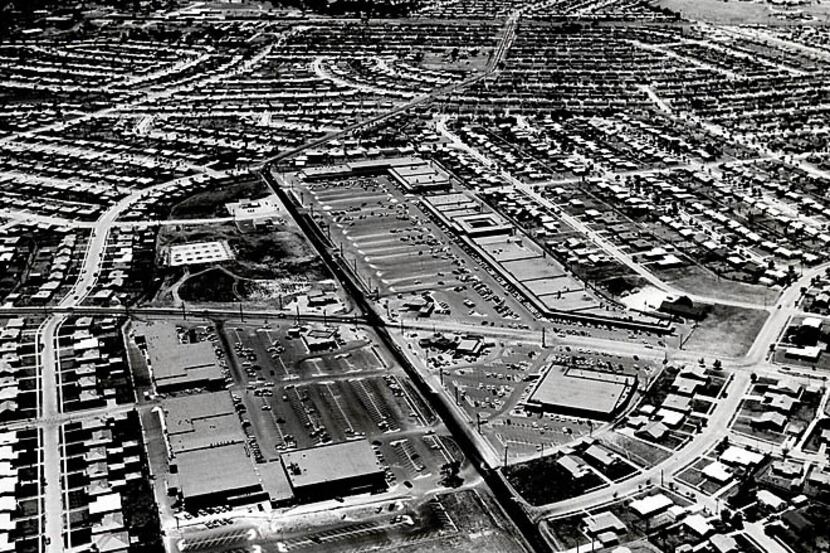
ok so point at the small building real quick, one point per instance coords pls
(320, 339)
(738, 456)
(684, 307)
(575, 466)
(698, 525)
(779, 402)
(717, 472)
(770, 421)
(654, 431)
(604, 522)
(721, 543)
(651, 505)
(770, 501)
(602, 457)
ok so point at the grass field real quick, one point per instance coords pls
(212, 203)
(695, 280)
(727, 331)
(542, 481)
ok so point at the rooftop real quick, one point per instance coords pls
(583, 390)
(226, 469)
(330, 463)
(176, 364)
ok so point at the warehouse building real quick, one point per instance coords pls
(209, 462)
(175, 365)
(336, 470)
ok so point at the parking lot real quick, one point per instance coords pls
(399, 253)
(291, 398)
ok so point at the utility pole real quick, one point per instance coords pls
(241, 312)
(543, 338)
(505, 454)
(184, 312)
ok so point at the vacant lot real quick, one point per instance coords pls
(274, 252)
(212, 203)
(727, 331)
(735, 12)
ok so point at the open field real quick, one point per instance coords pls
(727, 331)
(732, 12)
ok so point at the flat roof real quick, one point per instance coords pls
(275, 482)
(319, 465)
(200, 252)
(651, 504)
(225, 470)
(200, 421)
(583, 390)
(177, 364)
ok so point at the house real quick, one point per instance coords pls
(722, 543)
(679, 403)
(771, 421)
(601, 456)
(770, 501)
(787, 469)
(717, 472)
(654, 431)
(698, 525)
(685, 386)
(695, 372)
(738, 456)
(575, 466)
(781, 403)
(604, 522)
(785, 387)
(651, 505)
